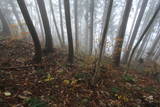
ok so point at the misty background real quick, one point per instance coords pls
(149, 47)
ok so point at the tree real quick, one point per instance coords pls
(143, 46)
(102, 45)
(87, 25)
(155, 43)
(55, 23)
(40, 21)
(49, 41)
(143, 34)
(121, 33)
(61, 21)
(103, 21)
(157, 53)
(69, 31)
(16, 15)
(76, 23)
(37, 46)
(91, 26)
(132, 28)
(105, 30)
(6, 29)
(135, 31)
(104, 13)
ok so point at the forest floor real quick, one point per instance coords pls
(53, 84)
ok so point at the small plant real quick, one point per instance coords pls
(122, 97)
(129, 78)
(82, 76)
(49, 78)
(35, 102)
(85, 101)
(115, 90)
(149, 89)
(1, 71)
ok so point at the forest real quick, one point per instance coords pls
(79, 53)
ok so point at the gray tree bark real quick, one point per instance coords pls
(155, 43)
(61, 21)
(143, 34)
(48, 35)
(16, 15)
(87, 26)
(142, 47)
(69, 31)
(91, 26)
(37, 46)
(55, 23)
(40, 21)
(121, 33)
(134, 21)
(105, 30)
(6, 29)
(135, 31)
(76, 24)
(157, 53)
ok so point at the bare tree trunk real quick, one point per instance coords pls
(91, 26)
(103, 21)
(38, 54)
(155, 43)
(143, 34)
(135, 31)
(86, 27)
(6, 29)
(76, 24)
(142, 47)
(157, 53)
(69, 31)
(121, 33)
(49, 40)
(61, 21)
(55, 23)
(40, 21)
(105, 30)
(16, 15)
(132, 28)
(104, 14)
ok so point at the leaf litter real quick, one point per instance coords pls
(53, 84)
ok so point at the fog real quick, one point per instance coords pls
(79, 53)
(12, 13)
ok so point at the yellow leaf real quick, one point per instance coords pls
(49, 78)
(66, 82)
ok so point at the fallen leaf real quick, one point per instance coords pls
(27, 92)
(49, 78)
(7, 93)
(74, 82)
(23, 97)
(66, 82)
